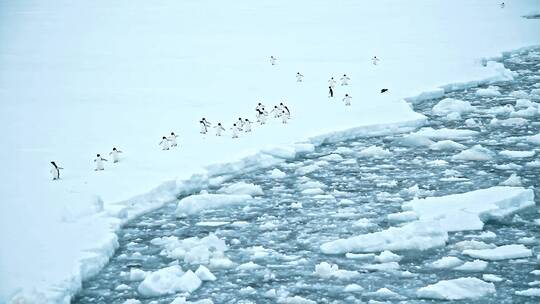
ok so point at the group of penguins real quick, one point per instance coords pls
(280, 111)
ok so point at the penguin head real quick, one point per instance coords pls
(259, 103)
(98, 155)
(114, 149)
(172, 133)
(164, 137)
(234, 125)
(344, 75)
(247, 119)
(53, 163)
(346, 95)
(219, 124)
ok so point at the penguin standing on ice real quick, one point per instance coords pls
(332, 83)
(261, 116)
(55, 171)
(299, 77)
(99, 163)
(276, 111)
(247, 125)
(284, 117)
(115, 155)
(204, 125)
(164, 143)
(330, 92)
(347, 99)
(219, 128)
(375, 60)
(502, 4)
(235, 131)
(286, 109)
(345, 80)
(172, 139)
(240, 123)
(273, 60)
(384, 90)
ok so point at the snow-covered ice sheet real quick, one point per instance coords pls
(126, 73)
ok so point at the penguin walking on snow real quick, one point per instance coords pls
(284, 117)
(240, 123)
(273, 60)
(204, 125)
(247, 125)
(375, 60)
(345, 80)
(261, 117)
(384, 90)
(235, 131)
(164, 143)
(286, 109)
(502, 4)
(299, 77)
(347, 99)
(219, 128)
(332, 83)
(115, 155)
(330, 92)
(55, 171)
(276, 111)
(172, 139)
(99, 163)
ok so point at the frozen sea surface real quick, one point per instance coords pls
(341, 190)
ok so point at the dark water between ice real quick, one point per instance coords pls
(291, 236)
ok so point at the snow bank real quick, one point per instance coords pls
(457, 289)
(500, 253)
(419, 235)
(467, 211)
(199, 202)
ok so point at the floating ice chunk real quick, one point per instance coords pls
(131, 301)
(476, 153)
(533, 164)
(509, 166)
(221, 262)
(192, 250)
(344, 150)
(527, 240)
(466, 211)
(136, 274)
(437, 163)
(523, 103)
(531, 292)
(457, 289)
(407, 216)
(353, 288)
(535, 139)
(510, 122)
(446, 263)
(311, 185)
(294, 300)
(375, 152)
(536, 272)
(161, 282)
(385, 267)
(307, 169)
(204, 274)
(351, 161)
(519, 94)
(506, 109)
(296, 205)
(313, 191)
(517, 154)
(270, 294)
(464, 245)
(472, 123)
(513, 180)
(122, 287)
(483, 235)
(249, 266)
(528, 112)
(277, 174)
(474, 266)
(326, 271)
(345, 202)
(416, 235)
(182, 300)
(196, 203)
(445, 133)
(211, 224)
(488, 92)
(385, 293)
(332, 157)
(453, 116)
(359, 256)
(500, 253)
(413, 140)
(451, 105)
(189, 282)
(242, 188)
(492, 278)
(387, 256)
(446, 145)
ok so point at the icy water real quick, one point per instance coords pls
(283, 237)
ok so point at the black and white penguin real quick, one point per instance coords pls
(99, 163)
(55, 171)
(172, 139)
(115, 155)
(219, 128)
(164, 143)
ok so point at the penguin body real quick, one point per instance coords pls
(55, 171)
(115, 154)
(99, 163)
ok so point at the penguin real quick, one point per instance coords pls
(247, 125)
(240, 123)
(502, 4)
(345, 80)
(375, 60)
(299, 77)
(172, 139)
(276, 111)
(234, 130)
(204, 126)
(55, 171)
(261, 117)
(330, 92)
(284, 117)
(286, 109)
(332, 82)
(114, 154)
(273, 60)
(99, 163)
(347, 99)
(164, 143)
(384, 90)
(259, 106)
(219, 128)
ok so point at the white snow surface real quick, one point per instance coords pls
(125, 73)
(457, 289)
